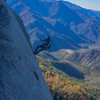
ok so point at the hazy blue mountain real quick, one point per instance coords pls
(97, 13)
(70, 26)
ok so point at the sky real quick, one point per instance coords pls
(89, 4)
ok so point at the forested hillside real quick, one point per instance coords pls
(65, 87)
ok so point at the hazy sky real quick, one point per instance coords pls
(90, 4)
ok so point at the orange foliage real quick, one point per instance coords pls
(64, 89)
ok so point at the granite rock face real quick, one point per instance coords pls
(20, 75)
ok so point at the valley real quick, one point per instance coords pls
(68, 71)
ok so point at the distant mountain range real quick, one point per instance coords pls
(70, 26)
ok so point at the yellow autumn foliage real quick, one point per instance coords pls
(64, 88)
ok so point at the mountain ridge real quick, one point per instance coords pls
(76, 28)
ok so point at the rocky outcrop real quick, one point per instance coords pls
(20, 75)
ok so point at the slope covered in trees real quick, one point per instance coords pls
(86, 61)
(64, 87)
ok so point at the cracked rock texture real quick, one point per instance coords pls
(20, 75)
